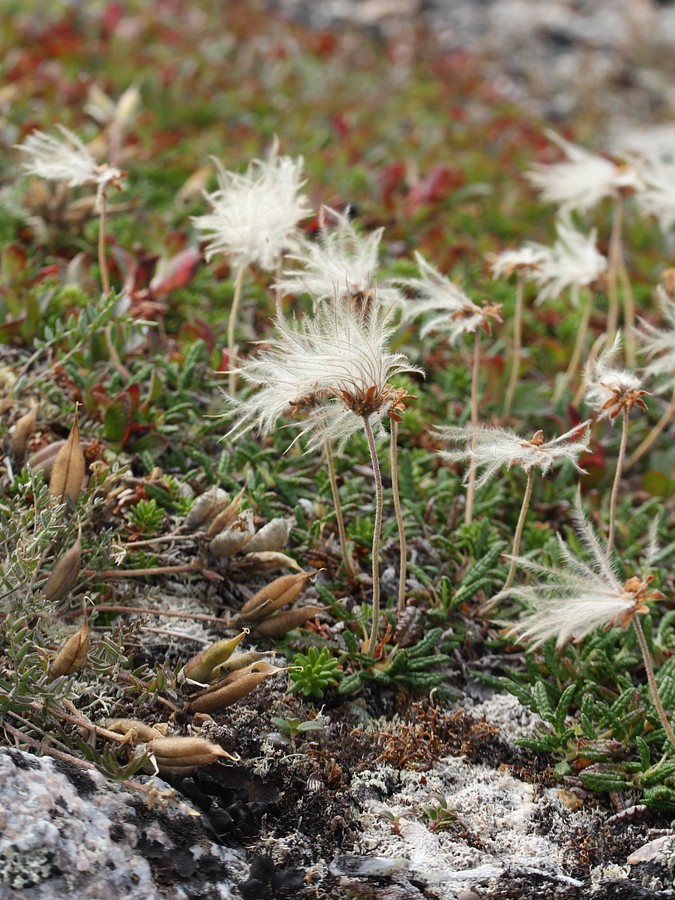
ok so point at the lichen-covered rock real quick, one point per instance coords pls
(67, 832)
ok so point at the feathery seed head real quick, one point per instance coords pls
(572, 262)
(583, 179)
(524, 259)
(453, 312)
(254, 216)
(656, 196)
(577, 597)
(333, 368)
(67, 159)
(610, 390)
(659, 343)
(493, 448)
(342, 265)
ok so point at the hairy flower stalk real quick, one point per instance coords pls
(339, 518)
(659, 345)
(522, 262)
(396, 496)
(332, 369)
(253, 220)
(493, 448)
(610, 391)
(455, 315)
(574, 599)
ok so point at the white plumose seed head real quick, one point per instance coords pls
(66, 159)
(332, 369)
(659, 344)
(610, 389)
(254, 216)
(584, 179)
(656, 197)
(572, 262)
(342, 265)
(493, 448)
(577, 597)
(452, 312)
(524, 259)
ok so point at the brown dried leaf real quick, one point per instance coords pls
(72, 654)
(68, 469)
(63, 576)
(22, 432)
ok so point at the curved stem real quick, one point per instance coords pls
(649, 669)
(339, 520)
(403, 547)
(471, 482)
(650, 439)
(578, 344)
(517, 344)
(377, 531)
(102, 259)
(617, 481)
(231, 325)
(519, 530)
(613, 257)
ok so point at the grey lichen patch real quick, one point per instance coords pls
(24, 869)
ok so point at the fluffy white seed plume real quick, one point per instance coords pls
(524, 259)
(656, 197)
(342, 265)
(610, 389)
(254, 216)
(492, 448)
(659, 344)
(572, 262)
(67, 159)
(331, 369)
(579, 596)
(453, 313)
(583, 179)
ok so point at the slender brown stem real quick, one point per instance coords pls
(613, 257)
(471, 482)
(145, 573)
(403, 546)
(102, 258)
(519, 530)
(377, 531)
(649, 669)
(517, 344)
(144, 611)
(578, 344)
(339, 519)
(231, 325)
(650, 439)
(617, 481)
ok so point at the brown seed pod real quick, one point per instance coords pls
(68, 469)
(63, 576)
(201, 667)
(137, 731)
(271, 537)
(235, 664)
(22, 431)
(180, 755)
(233, 539)
(279, 625)
(224, 519)
(263, 561)
(72, 654)
(219, 697)
(43, 459)
(209, 504)
(278, 593)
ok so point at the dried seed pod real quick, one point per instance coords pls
(134, 730)
(205, 507)
(224, 519)
(180, 755)
(264, 561)
(68, 469)
(63, 576)
(235, 664)
(219, 697)
(233, 539)
(201, 668)
(72, 654)
(22, 431)
(278, 593)
(271, 537)
(279, 625)
(43, 459)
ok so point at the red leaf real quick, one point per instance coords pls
(391, 179)
(176, 272)
(440, 181)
